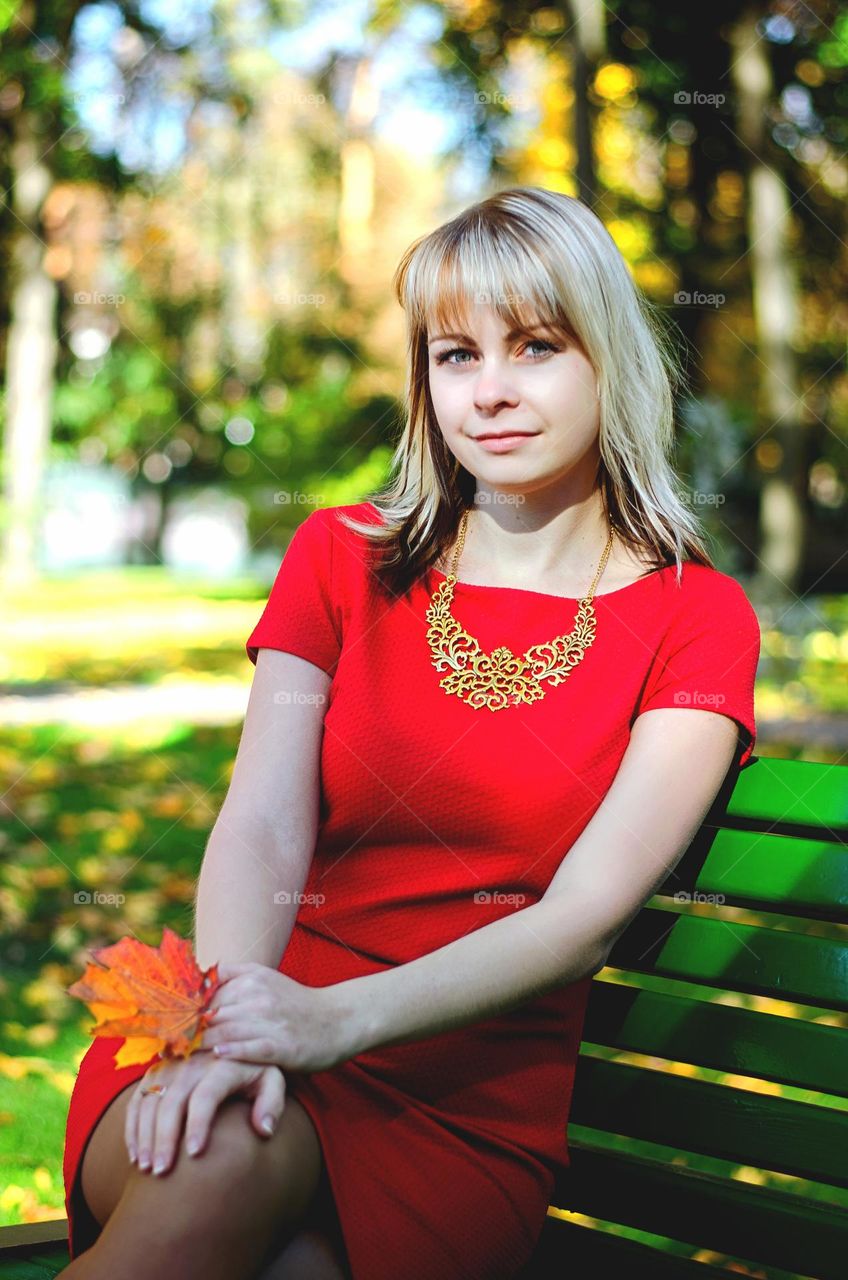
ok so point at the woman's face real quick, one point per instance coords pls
(488, 381)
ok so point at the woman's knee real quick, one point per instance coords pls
(280, 1173)
(284, 1168)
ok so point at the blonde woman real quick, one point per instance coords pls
(491, 707)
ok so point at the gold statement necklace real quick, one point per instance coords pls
(499, 679)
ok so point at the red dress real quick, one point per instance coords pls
(437, 818)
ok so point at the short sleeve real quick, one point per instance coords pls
(708, 657)
(301, 615)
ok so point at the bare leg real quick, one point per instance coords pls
(317, 1251)
(311, 1255)
(217, 1216)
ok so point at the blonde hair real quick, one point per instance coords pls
(535, 256)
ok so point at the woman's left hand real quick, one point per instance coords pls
(267, 1017)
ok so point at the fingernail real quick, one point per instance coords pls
(144, 1160)
(193, 1146)
(221, 1048)
(133, 1155)
(160, 1164)
(268, 1124)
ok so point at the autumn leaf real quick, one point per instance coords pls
(157, 997)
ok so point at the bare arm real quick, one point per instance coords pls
(264, 837)
(672, 770)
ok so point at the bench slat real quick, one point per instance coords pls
(797, 1138)
(793, 792)
(735, 957)
(777, 1228)
(785, 1050)
(569, 1249)
(788, 874)
(42, 1267)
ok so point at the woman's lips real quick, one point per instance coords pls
(503, 444)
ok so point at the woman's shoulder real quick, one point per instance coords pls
(709, 596)
(346, 549)
(706, 582)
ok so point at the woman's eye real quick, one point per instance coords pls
(537, 342)
(445, 356)
(454, 351)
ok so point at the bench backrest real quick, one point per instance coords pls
(774, 846)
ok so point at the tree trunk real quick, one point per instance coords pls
(775, 298)
(30, 357)
(587, 17)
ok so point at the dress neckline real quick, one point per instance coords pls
(547, 595)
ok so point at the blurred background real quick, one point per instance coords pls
(201, 207)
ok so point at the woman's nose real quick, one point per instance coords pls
(493, 386)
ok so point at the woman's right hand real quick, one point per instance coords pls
(196, 1086)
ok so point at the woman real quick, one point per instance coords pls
(467, 761)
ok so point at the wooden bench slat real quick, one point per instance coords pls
(793, 793)
(784, 1050)
(798, 1138)
(40, 1267)
(777, 1228)
(569, 1249)
(792, 875)
(734, 957)
(30, 1235)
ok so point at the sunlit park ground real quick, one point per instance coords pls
(121, 698)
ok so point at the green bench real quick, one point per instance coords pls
(656, 1150)
(774, 843)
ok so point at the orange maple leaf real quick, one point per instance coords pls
(157, 997)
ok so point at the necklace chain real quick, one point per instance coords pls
(500, 679)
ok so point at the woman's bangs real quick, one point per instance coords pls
(468, 274)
